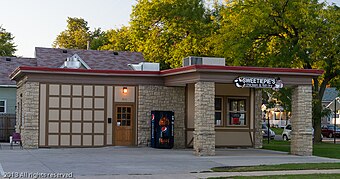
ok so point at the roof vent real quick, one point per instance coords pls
(72, 62)
(115, 53)
(64, 51)
(8, 59)
(203, 61)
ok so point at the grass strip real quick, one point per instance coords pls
(297, 166)
(300, 176)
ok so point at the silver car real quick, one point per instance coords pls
(265, 132)
(286, 134)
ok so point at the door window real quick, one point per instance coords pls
(123, 116)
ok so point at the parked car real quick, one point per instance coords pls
(328, 131)
(265, 132)
(286, 134)
(287, 130)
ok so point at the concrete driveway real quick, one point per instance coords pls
(129, 161)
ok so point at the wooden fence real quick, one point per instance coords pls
(7, 126)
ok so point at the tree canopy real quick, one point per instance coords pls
(78, 34)
(166, 31)
(7, 47)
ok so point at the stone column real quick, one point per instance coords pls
(258, 119)
(302, 143)
(28, 95)
(204, 134)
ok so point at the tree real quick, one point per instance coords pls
(166, 31)
(282, 33)
(78, 34)
(7, 47)
(117, 39)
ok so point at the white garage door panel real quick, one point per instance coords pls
(75, 115)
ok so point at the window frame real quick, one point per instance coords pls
(225, 112)
(4, 106)
(221, 111)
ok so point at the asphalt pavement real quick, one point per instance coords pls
(134, 162)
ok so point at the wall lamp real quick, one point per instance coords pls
(125, 90)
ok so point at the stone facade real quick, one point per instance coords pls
(204, 123)
(28, 113)
(151, 98)
(302, 143)
(258, 119)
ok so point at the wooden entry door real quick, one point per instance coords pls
(124, 122)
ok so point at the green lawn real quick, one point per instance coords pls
(328, 176)
(295, 166)
(323, 149)
(278, 131)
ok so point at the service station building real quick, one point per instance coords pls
(214, 106)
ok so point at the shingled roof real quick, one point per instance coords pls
(330, 94)
(9, 64)
(98, 60)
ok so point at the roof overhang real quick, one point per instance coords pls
(184, 75)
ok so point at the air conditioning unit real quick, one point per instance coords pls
(203, 61)
(145, 66)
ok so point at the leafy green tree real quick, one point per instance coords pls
(117, 39)
(78, 34)
(282, 33)
(166, 31)
(7, 47)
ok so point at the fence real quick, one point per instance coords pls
(7, 126)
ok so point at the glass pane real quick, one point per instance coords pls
(128, 116)
(2, 109)
(128, 123)
(243, 119)
(123, 110)
(119, 116)
(2, 103)
(123, 116)
(233, 105)
(242, 105)
(218, 103)
(119, 109)
(218, 118)
(119, 122)
(129, 110)
(123, 122)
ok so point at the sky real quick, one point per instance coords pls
(36, 23)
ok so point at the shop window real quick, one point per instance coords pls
(218, 111)
(236, 113)
(2, 106)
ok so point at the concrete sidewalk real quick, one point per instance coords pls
(133, 162)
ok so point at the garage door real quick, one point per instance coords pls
(74, 115)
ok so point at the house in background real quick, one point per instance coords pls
(328, 97)
(8, 87)
(8, 93)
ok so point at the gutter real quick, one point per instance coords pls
(8, 86)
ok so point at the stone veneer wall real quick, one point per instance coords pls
(204, 122)
(258, 119)
(302, 143)
(28, 94)
(151, 97)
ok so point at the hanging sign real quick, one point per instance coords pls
(258, 82)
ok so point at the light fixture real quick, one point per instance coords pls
(125, 90)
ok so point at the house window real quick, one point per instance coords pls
(218, 111)
(2, 106)
(237, 112)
